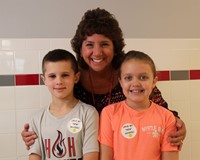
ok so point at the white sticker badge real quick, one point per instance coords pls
(74, 125)
(128, 130)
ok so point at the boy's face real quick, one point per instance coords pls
(137, 81)
(60, 78)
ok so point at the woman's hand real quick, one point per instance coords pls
(28, 136)
(176, 138)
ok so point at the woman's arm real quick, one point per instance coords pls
(106, 153)
(176, 138)
(172, 155)
(28, 136)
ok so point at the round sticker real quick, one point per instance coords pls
(74, 125)
(128, 130)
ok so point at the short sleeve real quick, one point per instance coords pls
(34, 148)
(170, 127)
(90, 142)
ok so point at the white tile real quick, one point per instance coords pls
(6, 44)
(184, 44)
(9, 158)
(194, 110)
(147, 44)
(60, 44)
(22, 158)
(171, 54)
(41, 56)
(194, 60)
(8, 145)
(7, 95)
(194, 89)
(183, 109)
(45, 96)
(165, 87)
(178, 59)
(7, 122)
(27, 97)
(26, 62)
(6, 62)
(170, 59)
(38, 44)
(179, 90)
(57, 44)
(162, 44)
(21, 148)
(195, 130)
(195, 150)
(161, 59)
(0, 44)
(185, 153)
(22, 117)
(194, 96)
(13, 44)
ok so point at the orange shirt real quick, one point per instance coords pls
(136, 135)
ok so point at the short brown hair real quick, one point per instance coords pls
(60, 55)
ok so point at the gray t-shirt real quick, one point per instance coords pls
(68, 137)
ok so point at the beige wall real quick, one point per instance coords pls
(138, 18)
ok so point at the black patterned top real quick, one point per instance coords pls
(102, 100)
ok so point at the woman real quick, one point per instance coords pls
(98, 44)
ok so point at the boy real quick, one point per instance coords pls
(67, 129)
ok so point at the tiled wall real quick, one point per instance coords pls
(21, 92)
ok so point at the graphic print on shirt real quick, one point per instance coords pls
(60, 147)
(129, 130)
(153, 130)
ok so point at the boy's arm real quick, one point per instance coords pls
(91, 156)
(35, 157)
(172, 155)
(106, 153)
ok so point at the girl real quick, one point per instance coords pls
(137, 128)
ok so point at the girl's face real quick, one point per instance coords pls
(60, 78)
(98, 52)
(137, 81)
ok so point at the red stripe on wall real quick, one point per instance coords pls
(163, 75)
(33, 79)
(194, 74)
(27, 79)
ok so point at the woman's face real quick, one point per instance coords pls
(98, 52)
